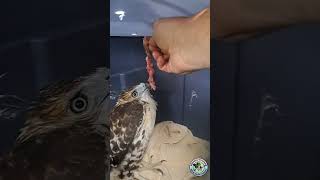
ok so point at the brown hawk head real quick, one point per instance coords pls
(64, 133)
(138, 92)
(66, 103)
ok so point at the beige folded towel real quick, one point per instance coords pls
(175, 144)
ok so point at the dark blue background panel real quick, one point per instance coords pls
(278, 114)
(266, 106)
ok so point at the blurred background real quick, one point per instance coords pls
(46, 41)
(266, 99)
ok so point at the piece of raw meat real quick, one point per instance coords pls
(149, 67)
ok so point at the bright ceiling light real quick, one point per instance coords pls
(121, 14)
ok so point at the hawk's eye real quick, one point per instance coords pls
(79, 104)
(134, 94)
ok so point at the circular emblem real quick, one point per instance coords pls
(198, 167)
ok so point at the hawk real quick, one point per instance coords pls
(64, 133)
(132, 122)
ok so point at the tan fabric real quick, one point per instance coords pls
(176, 145)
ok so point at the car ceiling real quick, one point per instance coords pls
(139, 14)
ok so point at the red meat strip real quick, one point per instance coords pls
(150, 71)
(149, 68)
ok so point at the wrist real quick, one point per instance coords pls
(201, 29)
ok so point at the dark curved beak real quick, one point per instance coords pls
(148, 86)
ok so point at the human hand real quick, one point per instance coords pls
(181, 45)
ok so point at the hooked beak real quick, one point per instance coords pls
(148, 86)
